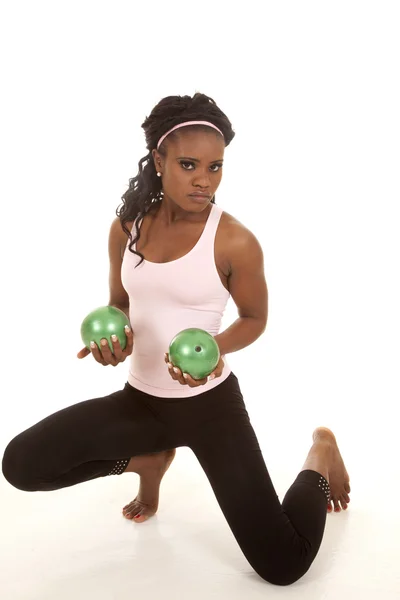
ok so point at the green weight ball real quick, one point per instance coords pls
(194, 351)
(102, 323)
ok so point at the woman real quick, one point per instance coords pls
(175, 259)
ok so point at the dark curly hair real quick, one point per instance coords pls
(146, 188)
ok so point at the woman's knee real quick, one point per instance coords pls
(280, 577)
(283, 568)
(16, 465)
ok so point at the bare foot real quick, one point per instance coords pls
(337, 473)
(151, 468)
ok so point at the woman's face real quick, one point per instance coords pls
(193, 165)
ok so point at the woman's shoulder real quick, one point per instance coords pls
(118, 237)
(233, 231)
(116, 229)
(239, 246)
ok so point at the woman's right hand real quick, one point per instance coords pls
(104, 356)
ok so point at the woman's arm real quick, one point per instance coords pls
(116, 245)
(248, 288)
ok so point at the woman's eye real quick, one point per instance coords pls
(192, 164)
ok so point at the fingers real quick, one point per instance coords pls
(183, 378)
(129, 342)
(96, 353)
(107, 356)
(103, 355)
(84, 352)
(176, 373)
(117, 353)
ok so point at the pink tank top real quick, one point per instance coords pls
(165, 298)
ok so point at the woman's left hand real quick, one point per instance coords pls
(186, 379)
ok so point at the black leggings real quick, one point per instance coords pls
(97, 437)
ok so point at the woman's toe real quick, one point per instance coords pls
(140, 518)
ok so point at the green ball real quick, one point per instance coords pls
(194, 351)
(102, 323)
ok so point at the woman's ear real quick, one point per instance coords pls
(157, 160)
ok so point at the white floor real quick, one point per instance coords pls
(74, 543)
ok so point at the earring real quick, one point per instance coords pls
(159, 174)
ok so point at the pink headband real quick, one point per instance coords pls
(184, 125)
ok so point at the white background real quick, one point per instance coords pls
(312, 90)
